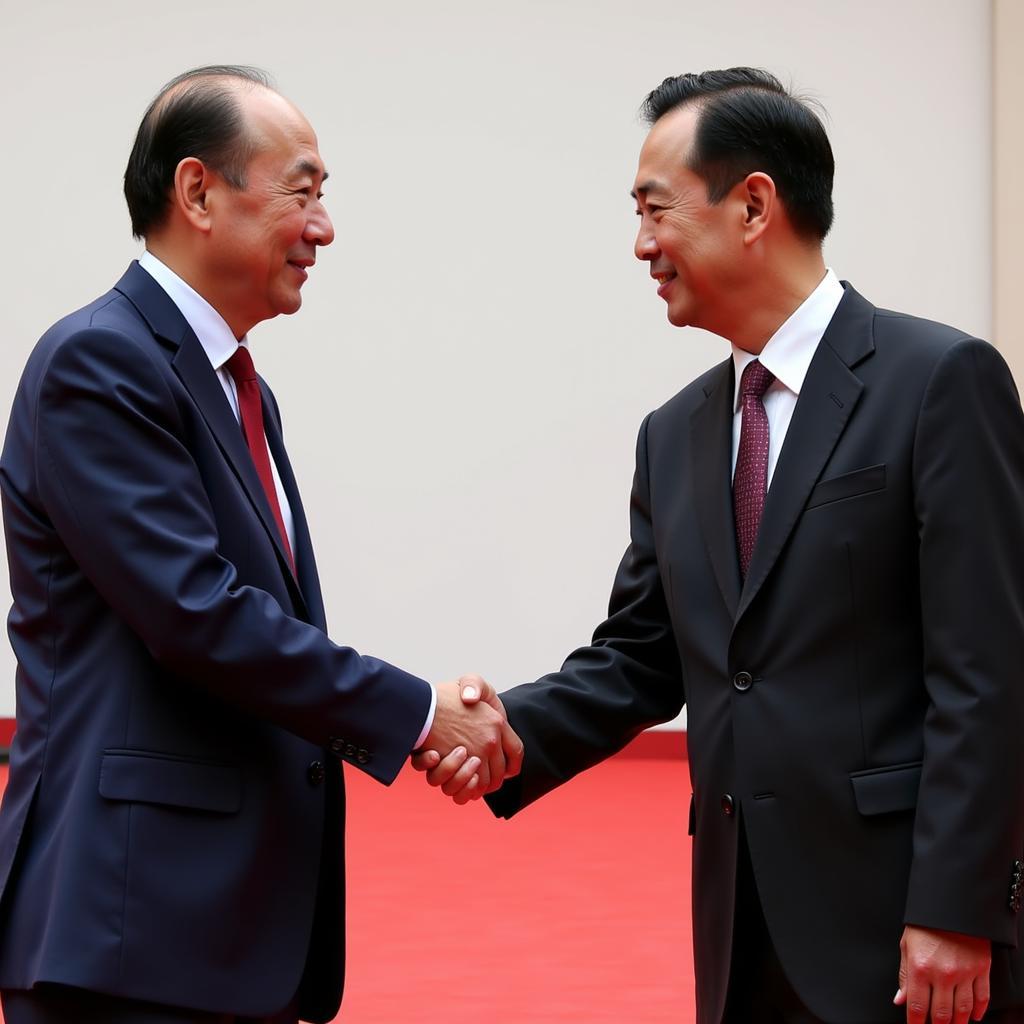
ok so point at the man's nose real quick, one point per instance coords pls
(645, 247)
(319, 228)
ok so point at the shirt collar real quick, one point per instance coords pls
(209, 326)
(791, 348)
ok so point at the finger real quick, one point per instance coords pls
(981, 996)
(424, 760)
(901, 993)
(963, 1002)
(471, 791)
(941, 1004)
(474, 688)
(918, 998)
(447, 767)
(513, 748)
(484, 771)
(462, 777)
(495, 768)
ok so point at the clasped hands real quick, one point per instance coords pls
(470, 749)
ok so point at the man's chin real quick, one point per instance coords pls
(677, 318)
(289, 305)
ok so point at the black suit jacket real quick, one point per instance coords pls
(172, 825)
(856, 704)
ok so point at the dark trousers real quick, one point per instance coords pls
(59, 1004)
(759, 991)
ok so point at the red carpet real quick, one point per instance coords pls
(576, 911)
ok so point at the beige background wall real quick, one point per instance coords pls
(462, 388)
(1008, 198)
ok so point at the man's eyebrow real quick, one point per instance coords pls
(647, 186)
(310, 168)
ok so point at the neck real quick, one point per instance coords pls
(777, 292)
(175, 258)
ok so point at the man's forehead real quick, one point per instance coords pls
(272, 116)
(669, 139)
(664, 156)
(283, 136)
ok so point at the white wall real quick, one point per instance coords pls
(1007, 200)
(479, 345)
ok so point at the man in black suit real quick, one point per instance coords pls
(171, 834)
(826, 564)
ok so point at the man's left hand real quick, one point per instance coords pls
(944, 972)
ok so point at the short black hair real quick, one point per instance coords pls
(195, 114)
(748, 121)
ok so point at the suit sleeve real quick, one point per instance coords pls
(969, 494)
(123, 492)
(627, 679)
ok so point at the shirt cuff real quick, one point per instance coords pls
(429, 722)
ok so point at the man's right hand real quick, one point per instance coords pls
(471, 725)
(467, 772)
(944, 976)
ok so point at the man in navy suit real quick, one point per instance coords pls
(826, 564)
(171, 835)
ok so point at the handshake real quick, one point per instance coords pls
(470, 749)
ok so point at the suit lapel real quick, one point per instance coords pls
(829, 395)
(195, 372)
(194, 369)
(711, 452)
(305, 563)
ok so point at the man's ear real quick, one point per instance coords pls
(760, 203)
(192, 183)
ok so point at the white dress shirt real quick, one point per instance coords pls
(787, 354)
(219, 344)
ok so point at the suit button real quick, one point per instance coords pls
(363, 756)
(743, 681)
(350, 751)
(316, 773)
(337, 747)
(728, 805)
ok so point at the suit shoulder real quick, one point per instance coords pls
(894, 328)
(110, 312)
(105, 340)
(683, 403)
(108, 321)
(916, 349)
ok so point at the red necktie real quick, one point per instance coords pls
(750, 483)
(250, 408)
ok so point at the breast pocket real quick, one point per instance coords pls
(849, 485)
(886, 790)
(141, 776)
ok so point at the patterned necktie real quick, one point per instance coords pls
(750, 482)
(250, 409)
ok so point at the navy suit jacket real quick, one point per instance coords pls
(855, 705)
(172, 827)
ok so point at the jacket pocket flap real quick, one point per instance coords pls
(849, 485)
(884, 790)
(175, 782)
